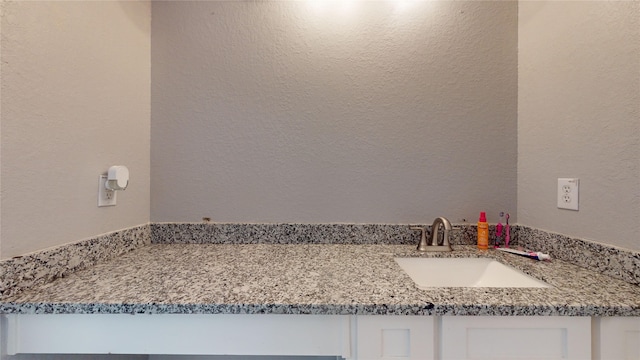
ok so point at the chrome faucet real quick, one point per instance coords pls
(434, 244)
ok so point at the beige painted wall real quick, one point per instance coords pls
(277, 112)
(579, 116)
(1, 193)
(288, 112)
(75, 357)
(75, 100)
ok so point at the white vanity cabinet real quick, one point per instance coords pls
(352, 337)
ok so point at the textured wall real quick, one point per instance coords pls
(291, 112)
(1, 193)
(579, 116)
(75, 100)
(76, 357)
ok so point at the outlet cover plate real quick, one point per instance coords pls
(105, 197)
(568, 191)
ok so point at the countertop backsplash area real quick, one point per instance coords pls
(616, 262)
(22, 272)
(369, 234)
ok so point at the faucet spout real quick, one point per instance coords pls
(435, 230)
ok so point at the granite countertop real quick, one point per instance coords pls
(313, 279)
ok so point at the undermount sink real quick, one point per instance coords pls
(465, 272)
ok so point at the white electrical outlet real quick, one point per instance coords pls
(106, 197)
(568, 190)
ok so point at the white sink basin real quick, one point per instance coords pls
(465, 272)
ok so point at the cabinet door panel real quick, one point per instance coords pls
(395, 337)
(481, 337)
(620, 338)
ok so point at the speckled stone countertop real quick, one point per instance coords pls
(313, 279)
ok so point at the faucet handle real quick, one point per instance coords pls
(422, 245)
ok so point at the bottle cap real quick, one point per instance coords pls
(542, 256)
(483, 217)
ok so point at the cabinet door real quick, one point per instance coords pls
(395, 337)
(619, 338)
(518, 337)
